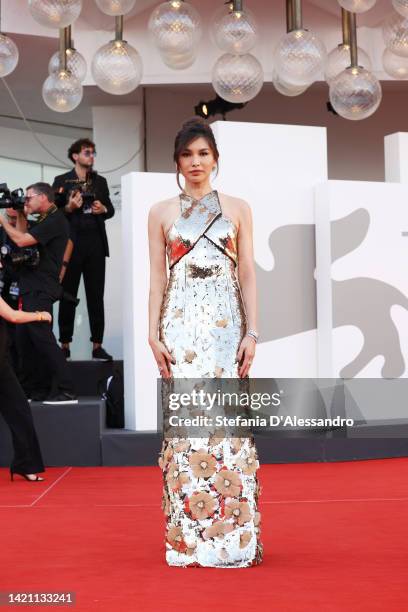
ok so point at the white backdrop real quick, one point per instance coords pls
(362, 284)
(274, 168)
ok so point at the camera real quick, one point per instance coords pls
(30, 256)
(11, 199)
(85, 189)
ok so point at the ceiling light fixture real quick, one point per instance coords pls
(355, 93)
(117, 67)
(62, 91)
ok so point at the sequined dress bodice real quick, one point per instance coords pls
(203, 308)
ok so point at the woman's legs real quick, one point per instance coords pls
(15, 409)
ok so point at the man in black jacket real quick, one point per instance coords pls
(85, 197)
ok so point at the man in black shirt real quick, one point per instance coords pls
(86, 215)
(39, 289)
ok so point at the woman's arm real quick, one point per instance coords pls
(247, 281)
(19, 316)
(158, 283)
(158, 273)
(246, 267)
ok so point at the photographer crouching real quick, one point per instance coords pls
(44, 243)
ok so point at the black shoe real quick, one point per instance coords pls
(100, 354)
(63, 397)
(35, 478)
(38, 396)
(67, 353)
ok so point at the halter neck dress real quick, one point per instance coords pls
(211, 489)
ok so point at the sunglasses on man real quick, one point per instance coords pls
(89, 152)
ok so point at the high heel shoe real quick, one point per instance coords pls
(36, 479)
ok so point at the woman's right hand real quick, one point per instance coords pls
(163, 357)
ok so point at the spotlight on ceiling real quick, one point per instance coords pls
(218, 106)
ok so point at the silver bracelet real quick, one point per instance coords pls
(253, 334)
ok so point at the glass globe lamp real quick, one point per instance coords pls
(300, 58)
(178, 61)
(8, 55)
(114, 8)
(355, 93)
(237, 78)
(285, 89)
(55, 13)
(357, 6)
(395, 33)
(117, 68)
(235, 32)
(395, 65)
(218, 15)
(62, 92)
(401, 6)
(175, 27)
(76, 64)
(339, 59)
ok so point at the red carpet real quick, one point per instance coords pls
(335, 538)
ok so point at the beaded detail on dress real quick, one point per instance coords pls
(211, 489)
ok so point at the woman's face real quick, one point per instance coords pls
(197, 161)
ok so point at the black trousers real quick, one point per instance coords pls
(42, 363)
(88, 258)
(15, 410)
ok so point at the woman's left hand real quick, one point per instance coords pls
(245, 355)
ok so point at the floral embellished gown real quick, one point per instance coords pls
(210, 483)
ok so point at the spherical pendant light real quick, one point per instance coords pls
(62, 92)
(114, 8)
(395, 33)
(175, 27)
(395, 65)
(236, 31)
(339, 59)
(357, 6)
(285, 89)
(117, 68)
(178, 61)
(76, 64)
(55, 13)
(237, 78)
(355, 93)
(300, 58)
(8, 55)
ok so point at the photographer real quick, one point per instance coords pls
(85, 196)
(39, 289)
(13, 403)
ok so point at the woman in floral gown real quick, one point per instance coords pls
(202, 324)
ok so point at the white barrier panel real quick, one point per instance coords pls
(274, 168)
(362, 280)
(140, 190)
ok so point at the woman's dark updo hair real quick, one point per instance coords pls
(190, 130)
